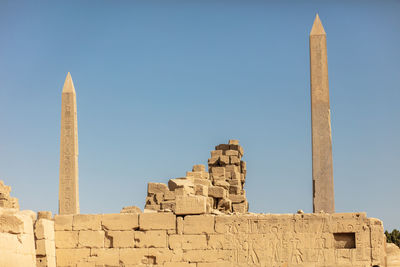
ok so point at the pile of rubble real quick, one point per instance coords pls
(6, 201)
(220, 189)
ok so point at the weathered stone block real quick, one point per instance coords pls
(216, 153)
(222, 147)
(217, 192)
(234, 160)
(63, 222)
(118, 221)
(224, 160)
(157, 221)
(148, 239)
(66, 239)
(45, 247)
(105, 256)
(199, 168)
(179, 182)
(168, 205)
(198, 224)
(201, 190)
(192, 175)
(44, 215)
(131, 209)
(91, 239)
(121, 239)
(87, 222)
(240, 207)
(235, 189)
(190, 205)
(169, 195)
(232, 153)
(153, 188)
(44, 229)
(222, 183)
(184, 191)
(187, 242)
(70, 257)
(213, 160)
(204, 182)
(237, 198)
(179, 264)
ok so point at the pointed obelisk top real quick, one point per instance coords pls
(317, 28)
(68, 84)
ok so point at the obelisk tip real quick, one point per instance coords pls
(68, 84)
(317, 28)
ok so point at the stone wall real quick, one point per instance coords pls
(164, 239)
(17, 246)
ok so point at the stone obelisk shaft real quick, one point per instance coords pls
(322, 169)
(68, 202)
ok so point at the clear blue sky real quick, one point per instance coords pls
(160, 83)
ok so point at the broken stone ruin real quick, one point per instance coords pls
(218, 190)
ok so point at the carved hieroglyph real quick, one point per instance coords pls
(322, 170)
(68, 191)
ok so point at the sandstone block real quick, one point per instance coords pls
(224, 160)
(153, 188)
(44, 215)
(118, 221)
(184, 191)
(45, 247)
(91, 239)
(221, 242)
(201, 190)
(235, 189)
(152, 208)
(232, 168)
(198, 224)
(131, 209)
(190, 205)
(187, 242)
(222, 147)
(240, 207)
(213, 160)
(87, 222)
(107, 257)
(205, 175)
(85, 264)
(232, 153)
(157, 221)
(192, 175)
(199, 168)
(234, 160)
(233, 142)
(216, 153)
(237, 198)
(169, 195)
(204, 182)
(222, 183)
(168, 205)
(217, 192)
(44, 229)
(121, 239)
(148, 239)
(70, 257)
(179, 182)
(235, 182)
(63, 222)
(66, 239)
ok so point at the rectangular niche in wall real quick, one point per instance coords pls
(344, 240)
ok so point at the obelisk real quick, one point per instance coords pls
(68, 202)
(322, 169)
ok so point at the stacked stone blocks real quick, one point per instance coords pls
(220, 189)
